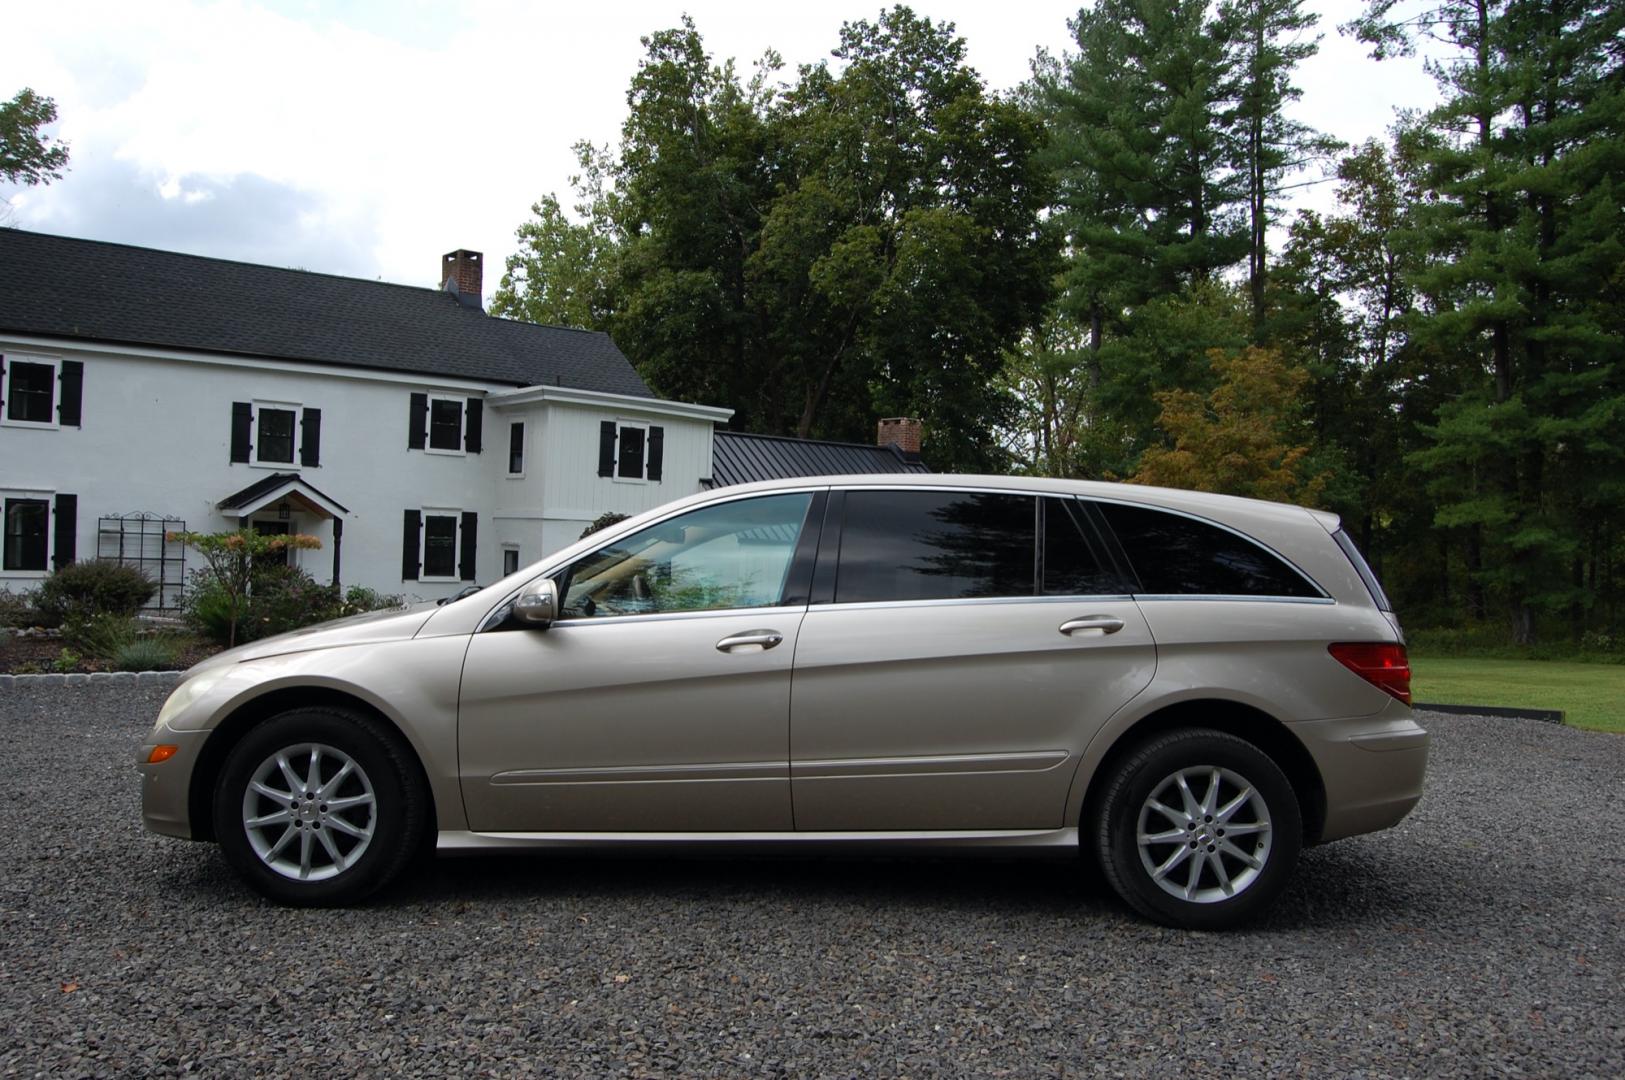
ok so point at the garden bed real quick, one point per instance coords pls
(35, 653)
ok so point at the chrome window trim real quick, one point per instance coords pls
(1323, 600)
(1253, 540)
(669, 616)
(971, 601)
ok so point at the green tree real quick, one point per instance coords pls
(27, 155)
(1523, 233)
(1268, 39)
(561, 274)
(862, 241)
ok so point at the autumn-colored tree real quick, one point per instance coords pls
(229, 558)
(1245, 437)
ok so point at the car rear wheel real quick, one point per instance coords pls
(319, 806)
(1197, 829)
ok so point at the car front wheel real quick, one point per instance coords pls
(319, 806)
(1198, 829)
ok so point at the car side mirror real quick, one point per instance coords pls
(537, 604)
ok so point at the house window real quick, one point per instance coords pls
(510, 561)
(30, 391)
(445, 424)
(439, 545)
(273, 433)
(628, 450)
(516, 448)
(28, 524)
(276, 428)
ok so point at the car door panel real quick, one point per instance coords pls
(638, 724)
(953, 715)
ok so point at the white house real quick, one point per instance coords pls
(426, 444)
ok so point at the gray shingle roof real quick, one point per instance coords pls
(272, 483)
(57, 286)
(740, 458)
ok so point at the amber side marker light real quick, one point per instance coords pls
(162, 753)
(1384, 666)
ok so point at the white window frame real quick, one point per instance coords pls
(55, 364)
(524, 450)
(298, 410)
(456, 515)
(37, 495)
(620, 426)
(462, 426)
(517, 565)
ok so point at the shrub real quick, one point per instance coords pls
(602, 521)
(207, 609)
(66, 662)
(359, 599)
(100, 635)
(284, 598)
(17, 609)
(157, 653)
(92, 588)
(234, 560)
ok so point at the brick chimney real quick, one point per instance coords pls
(902, 432)
(461, 274)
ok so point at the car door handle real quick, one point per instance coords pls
(765, 639)
(1108, 624)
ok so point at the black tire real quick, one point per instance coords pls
(381, 768)
(1227, 891)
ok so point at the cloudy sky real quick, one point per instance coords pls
(369, 137)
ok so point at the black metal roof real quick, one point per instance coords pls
(260, 488)
(58, 286)
(739, 458)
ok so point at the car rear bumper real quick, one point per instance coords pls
(1372, 768)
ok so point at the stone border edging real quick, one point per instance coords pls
(1545, 716)
(94, 678)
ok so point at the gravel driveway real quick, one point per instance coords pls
(1485, 936)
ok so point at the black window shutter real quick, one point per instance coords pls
(471, 542)
(72, 379)
(657, 451)
(418, 437)
(67, 530)
(473, 425)
(242, 423)
(2, 382)
(410, 536)
(606, 448)
(310, 438)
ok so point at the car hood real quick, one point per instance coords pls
(394, 624)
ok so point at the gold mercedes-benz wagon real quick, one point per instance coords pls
(1186, 688)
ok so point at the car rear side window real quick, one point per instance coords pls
(1073, 563)
(1174, 555)
(935, 545)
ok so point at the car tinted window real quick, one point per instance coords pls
(1072, 565)
(935, 545)
(733, 555)
(1177, 556)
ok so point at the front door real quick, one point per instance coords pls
(958, 668)
(660, 700)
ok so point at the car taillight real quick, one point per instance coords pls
(1384, 666)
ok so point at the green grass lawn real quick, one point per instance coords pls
(1591, 695)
